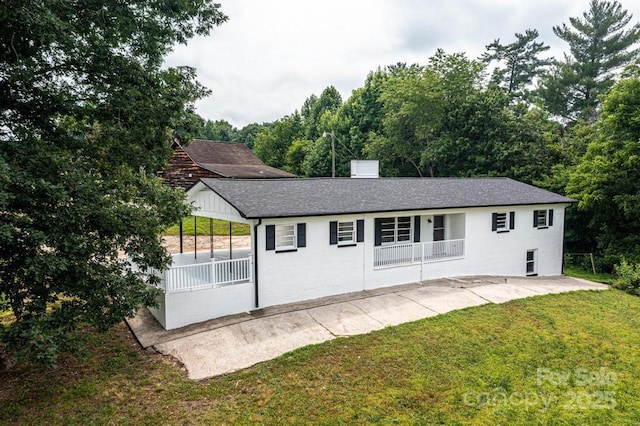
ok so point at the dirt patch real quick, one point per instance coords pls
(172, 242)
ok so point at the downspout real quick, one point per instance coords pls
(564, 231)
(255, 260)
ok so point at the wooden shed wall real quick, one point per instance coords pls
(183, 172)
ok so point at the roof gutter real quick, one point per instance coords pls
(255, 260)
(396, 210)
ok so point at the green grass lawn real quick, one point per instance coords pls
(220, 227)
(556, 359)
(601, 277)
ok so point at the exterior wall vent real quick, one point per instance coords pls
(364, 169)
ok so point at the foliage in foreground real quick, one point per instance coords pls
(557, 359)
(86, 110)
(627, 277)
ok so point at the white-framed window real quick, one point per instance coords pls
(503, 221)
(532, 268)
(346, 232)
(542, 218)
(395, 230)
(285, 237)
(403, 233)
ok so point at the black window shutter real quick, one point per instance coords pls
(302, 235)
(360, 231)
(494, 221)
(333, 232)
(416, 229)
(271, 237)
(512, 220)
(550, 217)
(378, 232)
(535, 218)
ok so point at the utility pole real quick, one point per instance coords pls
(333, 151)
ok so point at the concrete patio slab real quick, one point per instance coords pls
(227, 344)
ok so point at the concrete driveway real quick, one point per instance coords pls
(232, 343)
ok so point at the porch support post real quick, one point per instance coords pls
(230, 245)
(180, 236)
(254, 251)
(195, 237)
(211, 235)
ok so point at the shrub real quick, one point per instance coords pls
(627, 277)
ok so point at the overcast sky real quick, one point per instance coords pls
(271, 55)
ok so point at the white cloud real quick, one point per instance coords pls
(270, 56)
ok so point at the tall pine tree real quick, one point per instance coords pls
(518, 63)
(601, 43)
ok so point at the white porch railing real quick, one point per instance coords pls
(411, 253)
(205, 275)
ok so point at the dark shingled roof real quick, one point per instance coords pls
(231, 159)
(324, 196)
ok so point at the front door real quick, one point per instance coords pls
(438, 228)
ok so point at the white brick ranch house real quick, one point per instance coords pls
(319, 237)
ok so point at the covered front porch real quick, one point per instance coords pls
(423, 238)
(198, 263)
(207, 280)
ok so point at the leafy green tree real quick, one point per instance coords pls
(334, 125)
(317, 161)
(197, 127)
(601, 43)
(288, 141)
(418, 102)
(219, 130)
(410, 107)
(518, 63)
(478, 137)
(440, 120)
(273, 143)
(314, 107)
(367, 107)
(247, 135)
(572, 143)
(296, 154)
(354, 124)
(86, 110)
(607, 181)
